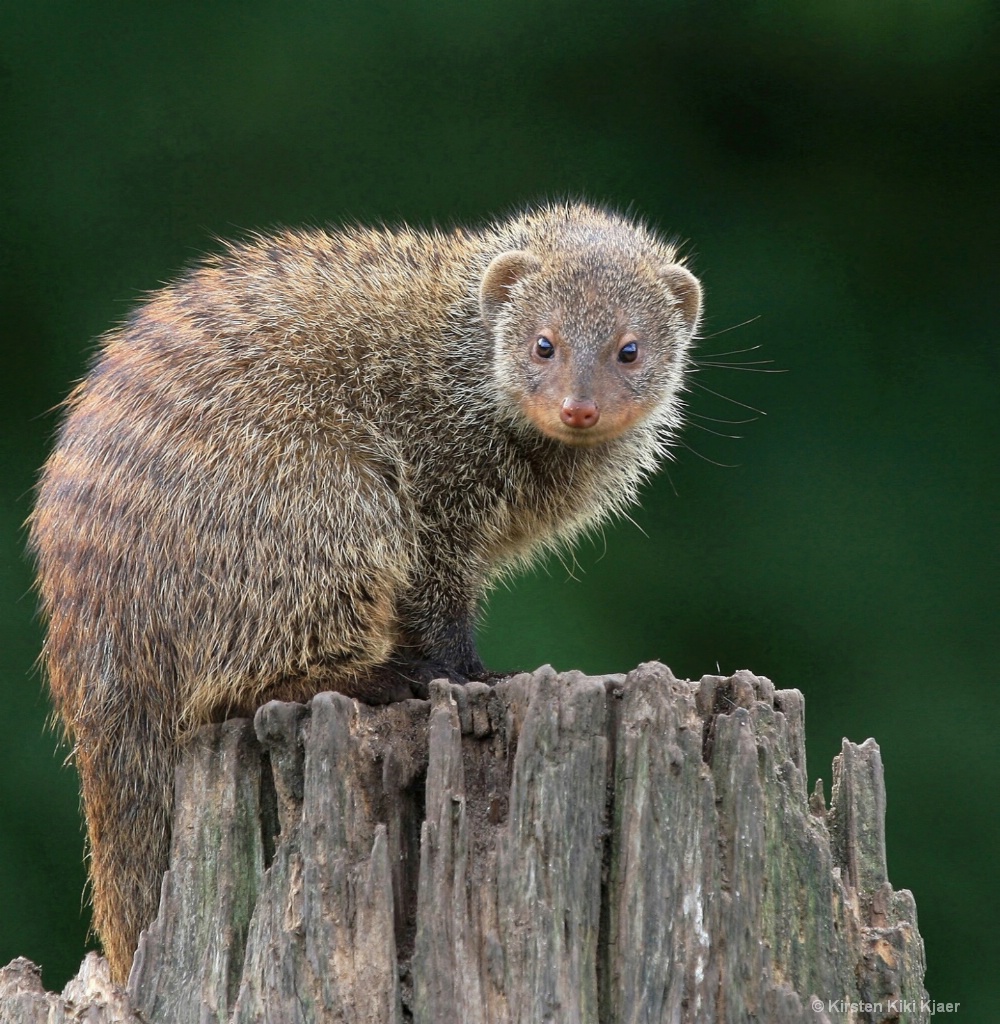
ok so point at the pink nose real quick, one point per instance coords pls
(579, 412)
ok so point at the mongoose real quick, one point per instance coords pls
(299, 467)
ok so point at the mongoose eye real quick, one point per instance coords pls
(544, 347)
(628, 353)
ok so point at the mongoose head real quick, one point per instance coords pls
(590, 343)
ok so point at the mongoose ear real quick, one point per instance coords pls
(501, 275)
(685, 290)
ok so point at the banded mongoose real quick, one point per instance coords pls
(299, 467)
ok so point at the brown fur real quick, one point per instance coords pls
(299, 467)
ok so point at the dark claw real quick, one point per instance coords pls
(491, 678)
(421, 673)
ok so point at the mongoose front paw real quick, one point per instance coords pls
(492, 678)
(421, 672)
(399, 680)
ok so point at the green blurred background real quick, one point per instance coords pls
(834, 166)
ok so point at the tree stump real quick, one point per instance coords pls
(555, 848)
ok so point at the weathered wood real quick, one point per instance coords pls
(91, 996)
(504, 931)
(322, 942)
(554, 848)
(211, 889)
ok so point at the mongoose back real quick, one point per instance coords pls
(299, 467)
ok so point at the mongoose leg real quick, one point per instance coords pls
(437, 622)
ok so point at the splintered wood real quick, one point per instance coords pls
(557, 848)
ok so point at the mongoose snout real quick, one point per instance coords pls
(579, 413)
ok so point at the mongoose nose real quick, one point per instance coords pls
(579, 412)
